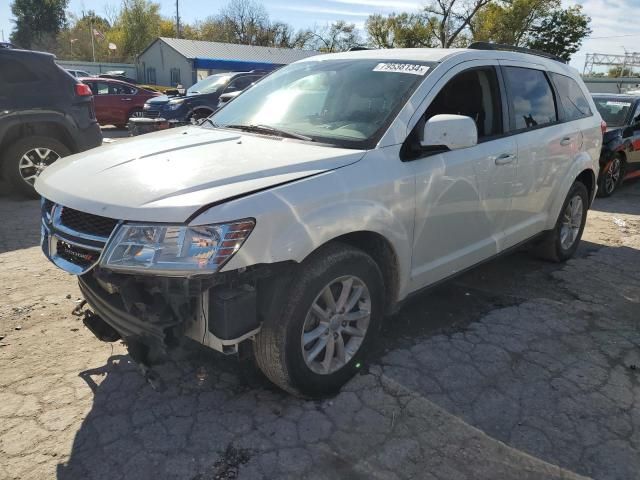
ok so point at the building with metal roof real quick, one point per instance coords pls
(172, 61)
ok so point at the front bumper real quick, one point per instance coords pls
(140, 126)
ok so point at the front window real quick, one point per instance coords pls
(209, 84)
(348, 103)
(613, 110)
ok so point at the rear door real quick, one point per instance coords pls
(546, 147)
(102, 102)
(123, 101)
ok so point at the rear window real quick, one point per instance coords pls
(613, 110)
(14, 71)
(532, 99)
(573, 101)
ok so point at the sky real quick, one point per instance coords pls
(612, 31)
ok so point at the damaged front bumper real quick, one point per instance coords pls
(153, 314)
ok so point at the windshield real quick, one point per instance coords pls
(347, 103)
(209, 84)
(613, 110)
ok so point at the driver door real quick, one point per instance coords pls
(463, 196)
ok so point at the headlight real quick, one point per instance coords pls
(175, 104)
(173, 249)
(146, 106)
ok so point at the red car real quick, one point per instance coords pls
(117, 101)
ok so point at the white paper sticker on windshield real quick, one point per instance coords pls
(412, 68)
(618, 104)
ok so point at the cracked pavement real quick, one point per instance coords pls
(518, 369)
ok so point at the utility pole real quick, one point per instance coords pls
(93, 47)
(177, 19)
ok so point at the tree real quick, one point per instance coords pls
(451, 18)
(405, 30)
(37, 22)
(140, 22)
(510, 21)
(562, 32)
(339, 36)
(244, 21)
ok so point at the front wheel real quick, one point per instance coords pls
(330, 316)
(560, 244)
(611, 177)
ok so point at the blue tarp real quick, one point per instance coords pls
(232, 65)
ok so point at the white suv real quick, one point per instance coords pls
(297, 216)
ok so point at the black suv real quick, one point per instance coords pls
(45, 114)
(201, 99)
(620, 157)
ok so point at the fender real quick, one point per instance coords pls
(28, 118)
(582, 162)
(293, 220)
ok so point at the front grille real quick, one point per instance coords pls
(87, 223)
(151, 113)
(73, 240)
(77, 255)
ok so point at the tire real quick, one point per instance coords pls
(555, 245)
(278, 347)
(30, 149)
(198, 115)
(135, 113)
(611, 178)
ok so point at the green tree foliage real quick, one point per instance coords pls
(37, 22)
(140, 24)
(510, 22)
(562, 32)
(405, 30)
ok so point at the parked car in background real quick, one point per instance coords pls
(318, 200)
(227, 97)
(117, 101)
(620, 158)
(78, 73)
(45, 114)
(123, 78)
(201, 99)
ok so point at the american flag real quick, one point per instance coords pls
(98, 34)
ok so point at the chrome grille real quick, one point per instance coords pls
(87, 223)
(151, 113)
(74, 240)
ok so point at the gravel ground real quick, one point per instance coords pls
(518, 369)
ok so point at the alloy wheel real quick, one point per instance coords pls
(33, 162)
(612, 175)
(336, 324)
(571, 222)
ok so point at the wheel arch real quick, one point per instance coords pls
(43, 128)
(588, 178)
(383, 253)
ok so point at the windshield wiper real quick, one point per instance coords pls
(269, 130)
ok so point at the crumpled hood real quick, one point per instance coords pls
(166, 176)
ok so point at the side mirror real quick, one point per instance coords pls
(451, 131)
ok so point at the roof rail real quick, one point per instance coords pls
(510, 48)
(357, 49)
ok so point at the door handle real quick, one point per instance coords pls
(505, 159)
(125, 99)
(565, 141)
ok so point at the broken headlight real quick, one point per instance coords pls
(175, 249)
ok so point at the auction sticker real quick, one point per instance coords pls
(618, 104)
(412, 68)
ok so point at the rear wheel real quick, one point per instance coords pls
(611, 177)
(27, 158)
(330, 316)
(561, 243)
(134, 113)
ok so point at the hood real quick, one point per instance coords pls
(159, 100)
(166, 176)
